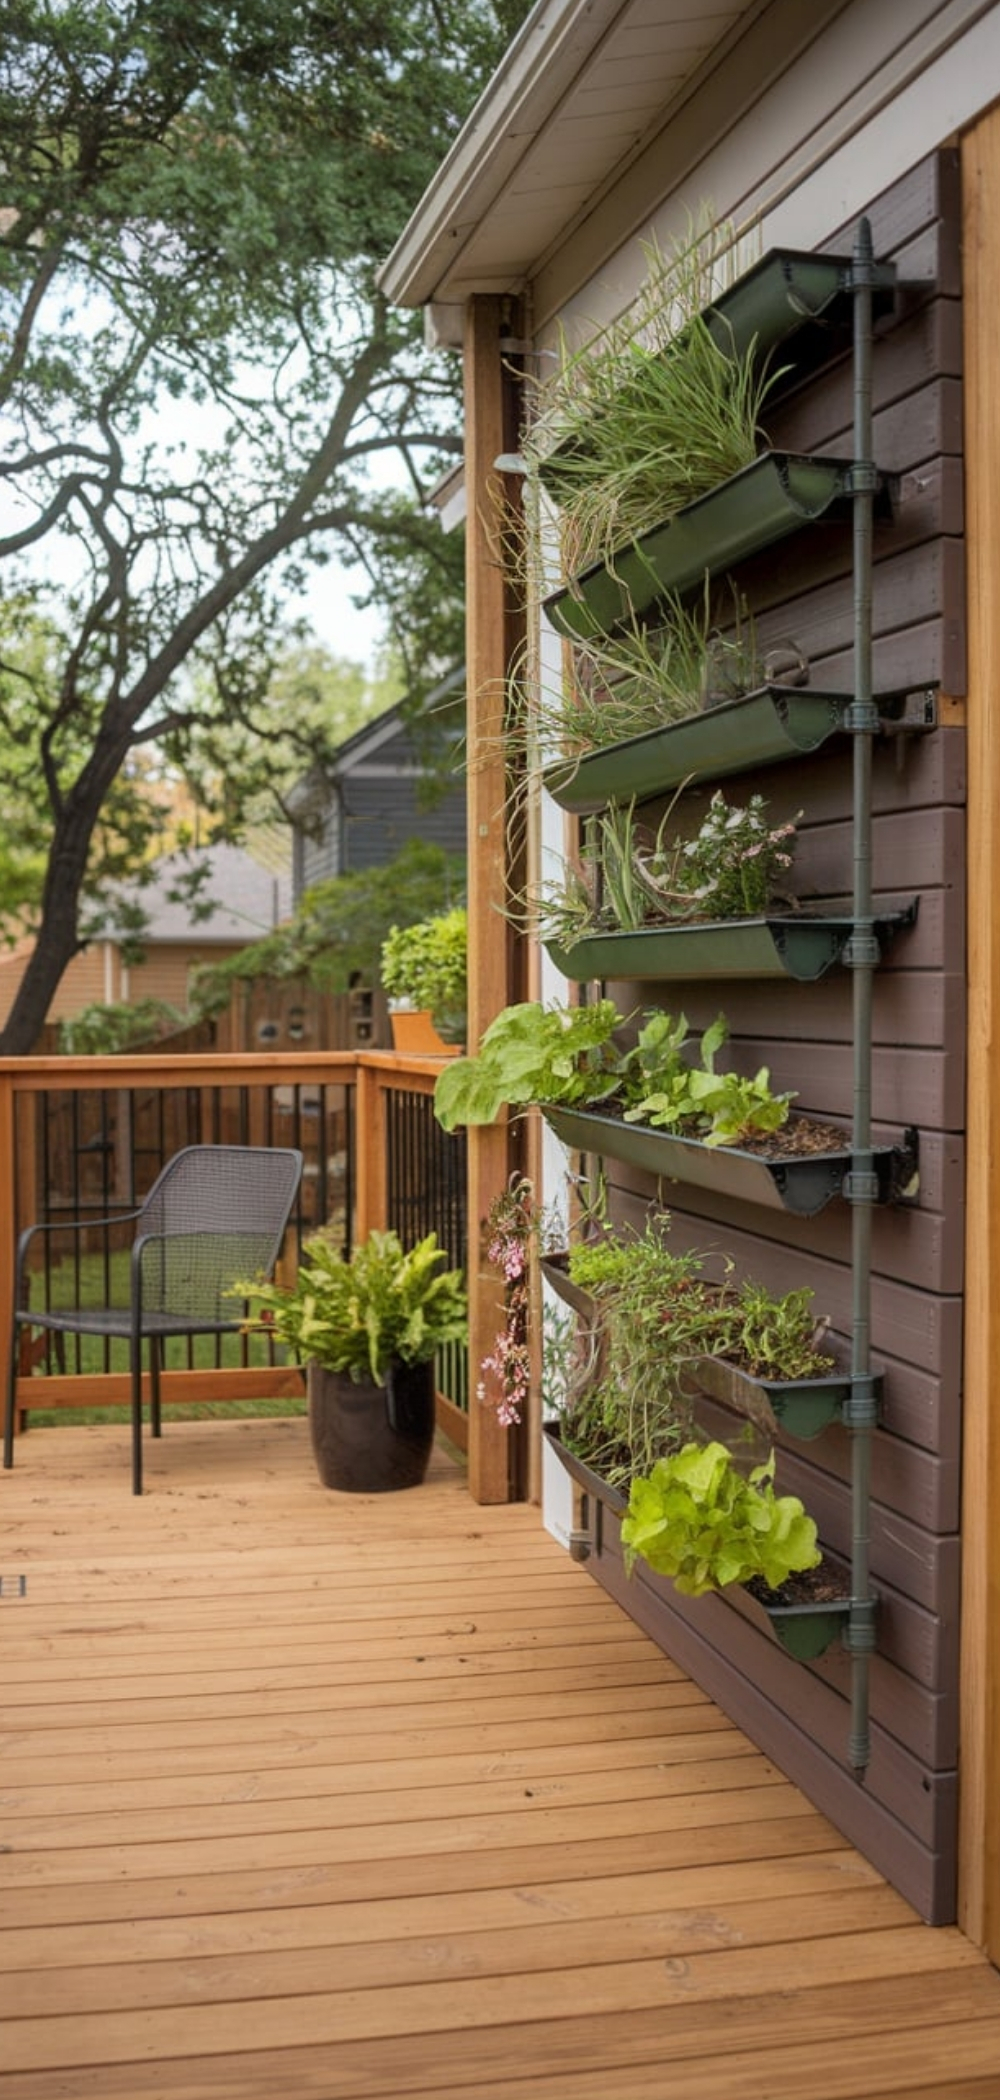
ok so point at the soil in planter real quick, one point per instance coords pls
(811, 1586)
(801, 1137)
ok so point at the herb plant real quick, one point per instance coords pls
(631, 878)
(697, 1520)
(656, 1312)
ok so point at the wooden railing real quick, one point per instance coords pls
(85, 1137)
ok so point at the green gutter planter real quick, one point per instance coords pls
(773, 497)
(788, 946)
(554, 1269)
(802, 1407)
(789, 294)
(805, 1631)
(793, 293)
(800, 1183)
(777, 722)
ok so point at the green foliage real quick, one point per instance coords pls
(657, 1311)
(340, 926)
(426, 964)
(663, 1090)
(203, 376)
(106, 1031)
(697, 1520)
(633, 878)
(649, 414)
(531, 1053)
(357, 1316)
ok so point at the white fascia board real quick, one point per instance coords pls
(542, 63)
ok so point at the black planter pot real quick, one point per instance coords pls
(371, 1439)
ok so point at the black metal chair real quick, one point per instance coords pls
(215, 1215)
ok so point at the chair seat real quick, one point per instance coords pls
(116, 1321)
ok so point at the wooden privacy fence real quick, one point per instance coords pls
(86, 1137)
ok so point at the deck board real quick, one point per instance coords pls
(365, 1797)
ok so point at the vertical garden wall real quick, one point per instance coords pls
(901, 1810)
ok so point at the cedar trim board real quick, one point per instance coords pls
(739, 1678)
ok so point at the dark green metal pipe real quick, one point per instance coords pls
(864, 957)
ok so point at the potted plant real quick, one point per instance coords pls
(367, 1328)
(424, 969)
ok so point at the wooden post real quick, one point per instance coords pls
(979, 1827)
(8, 1214)
(487, 653)
(369, 1152)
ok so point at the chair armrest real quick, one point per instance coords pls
(33, 1232)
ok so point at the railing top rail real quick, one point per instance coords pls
(207, 1068)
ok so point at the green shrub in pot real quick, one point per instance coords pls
(426, 966)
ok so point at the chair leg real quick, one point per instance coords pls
(136, 1365)
(155, 1367)
(11, 1396)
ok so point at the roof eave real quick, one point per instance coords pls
(540, 65)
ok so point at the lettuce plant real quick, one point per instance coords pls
(696, 1519)
(532, 1053)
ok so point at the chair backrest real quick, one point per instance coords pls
(219, 1212)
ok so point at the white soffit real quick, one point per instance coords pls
(582, 89)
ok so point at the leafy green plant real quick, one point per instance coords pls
(734, 1109)
(532, 1053)
(426, 964)
(660, 1086)
(696, 1519)
(356, 1316)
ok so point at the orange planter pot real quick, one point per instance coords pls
(415, 1032)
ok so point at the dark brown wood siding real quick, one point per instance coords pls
(903, 1812)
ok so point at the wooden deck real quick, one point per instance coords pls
(311, 1795)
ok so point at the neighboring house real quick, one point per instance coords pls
(247, 898)
(378, 793)
(606, 126)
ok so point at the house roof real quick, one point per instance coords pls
(584, 89)
(248, 899)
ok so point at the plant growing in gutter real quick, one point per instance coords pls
(656, 1312)
(566, 1055)
(632, 878)
(532, 1053)
(649, 414)
(696, 1519)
